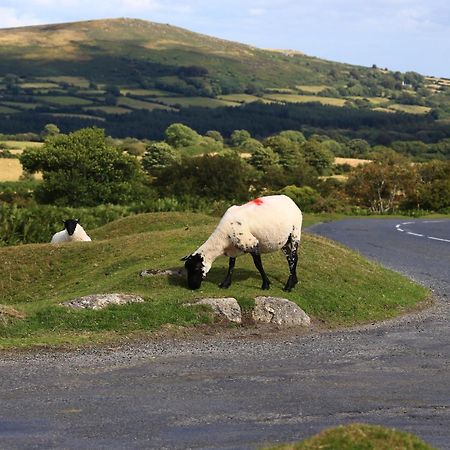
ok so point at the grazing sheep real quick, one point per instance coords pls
(72, 232)
(260, 226)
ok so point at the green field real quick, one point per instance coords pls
(293, 98)
(108, 109)
(64, 100)
(74, 81)
(410, 109)
(311, 89)
(21, 105)
(145, 92)
(139, 104)
(7, 110)
(196, 101)
(240, 98)
(20, 145)
(337, 286)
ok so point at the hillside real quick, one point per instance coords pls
(135, 50)
(101, 71)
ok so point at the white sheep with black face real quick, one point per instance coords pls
(263, 225)
(72, 232)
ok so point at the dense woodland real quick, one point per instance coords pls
(88, 174)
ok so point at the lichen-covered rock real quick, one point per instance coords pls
(279, 311)
(100, 301)
(177, 272)
(225, 307)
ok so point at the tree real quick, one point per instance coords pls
(179, 135)
(317, 156)
(217, 177)
(383, 186)
(238, 137)
(262, 157)
(213, 134)
(287, 150)
(293, 135)
(81, 169)
(158, 156)
(50, 130)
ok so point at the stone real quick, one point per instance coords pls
(100, 301)
(177, 272)
(224, 307)
(279, 311)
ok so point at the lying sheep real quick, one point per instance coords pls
(72, 232)
(260, 226)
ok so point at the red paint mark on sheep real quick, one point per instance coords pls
(257, 202)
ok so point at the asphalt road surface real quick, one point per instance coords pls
(243, 391)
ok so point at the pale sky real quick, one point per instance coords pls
(397, 34)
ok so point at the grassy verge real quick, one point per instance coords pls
(337, 286)
(359, 437)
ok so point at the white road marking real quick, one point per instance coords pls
(421, 235)
(438, 239)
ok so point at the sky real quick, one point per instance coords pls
(398, 34)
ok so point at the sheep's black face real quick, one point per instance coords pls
(70, 225)
(194, 266)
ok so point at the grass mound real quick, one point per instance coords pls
(337, 286)
(359, 437)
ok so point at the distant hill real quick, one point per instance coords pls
(130, 50)
(94, 71)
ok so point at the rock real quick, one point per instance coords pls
(100, 301)
(177, 272)
(279, 311)
(227, 307)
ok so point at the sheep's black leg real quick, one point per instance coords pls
(259, 266)
(226, 283)
(290, 250)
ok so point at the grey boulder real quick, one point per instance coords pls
(100, 301)
(279, 311)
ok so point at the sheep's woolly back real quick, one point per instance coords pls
(264, 224)
(63, 236)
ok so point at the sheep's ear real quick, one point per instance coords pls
(185, 258)
(77, 220)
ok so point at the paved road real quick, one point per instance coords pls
(242, 392)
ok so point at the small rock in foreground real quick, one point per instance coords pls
(279, 311)
(227, 307)
(100, 301)
(162, 272)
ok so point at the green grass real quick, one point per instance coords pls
(294, 98)
(38, 85)
(239, 98)
(359, 437)
(7, 110)
(21, 145)
(205, 102)
(64, 100)
(108, 109)
(311, 89)
(80, 82)
(139, 104)
(410, 109)
(337, 286)
(145, 92)
(21, 105)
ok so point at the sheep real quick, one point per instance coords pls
(72, 232)
(260, 226)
